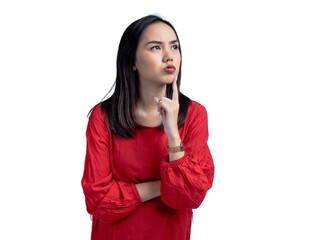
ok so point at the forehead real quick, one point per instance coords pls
(158, 31)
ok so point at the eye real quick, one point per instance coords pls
(175, 47)
(156, 47)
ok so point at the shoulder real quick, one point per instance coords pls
(96, 112)
(197, 116)
(197, 120)
(196, 110)
(98, 117)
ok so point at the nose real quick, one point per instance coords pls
(169, 59)
(167, 56)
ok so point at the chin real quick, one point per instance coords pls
(164, 80)
(170, 79)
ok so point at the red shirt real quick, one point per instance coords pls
(113, 165)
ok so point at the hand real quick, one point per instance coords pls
(169, 111)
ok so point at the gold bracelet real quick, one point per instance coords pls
(176, 149)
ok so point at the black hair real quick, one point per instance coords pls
(119, 108)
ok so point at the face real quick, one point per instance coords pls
(158, 55)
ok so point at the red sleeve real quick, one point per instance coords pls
(107, 199)
(185, 181)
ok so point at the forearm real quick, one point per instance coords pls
(148, 190)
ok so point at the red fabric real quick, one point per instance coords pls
(113, 166)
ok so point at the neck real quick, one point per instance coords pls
(147, 93)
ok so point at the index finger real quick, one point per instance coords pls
(175, 93)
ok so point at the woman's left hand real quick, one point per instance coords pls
(169, 111)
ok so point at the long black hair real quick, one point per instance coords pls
(119, 108)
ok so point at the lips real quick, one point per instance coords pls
(170, 69)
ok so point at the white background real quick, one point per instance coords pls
(254, 65)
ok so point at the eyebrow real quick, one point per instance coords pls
(159, 42)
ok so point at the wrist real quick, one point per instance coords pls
(174, 141)
(174, 138)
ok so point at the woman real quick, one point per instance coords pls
(147, 162)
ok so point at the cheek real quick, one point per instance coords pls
(178, 57)
(148, 60)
